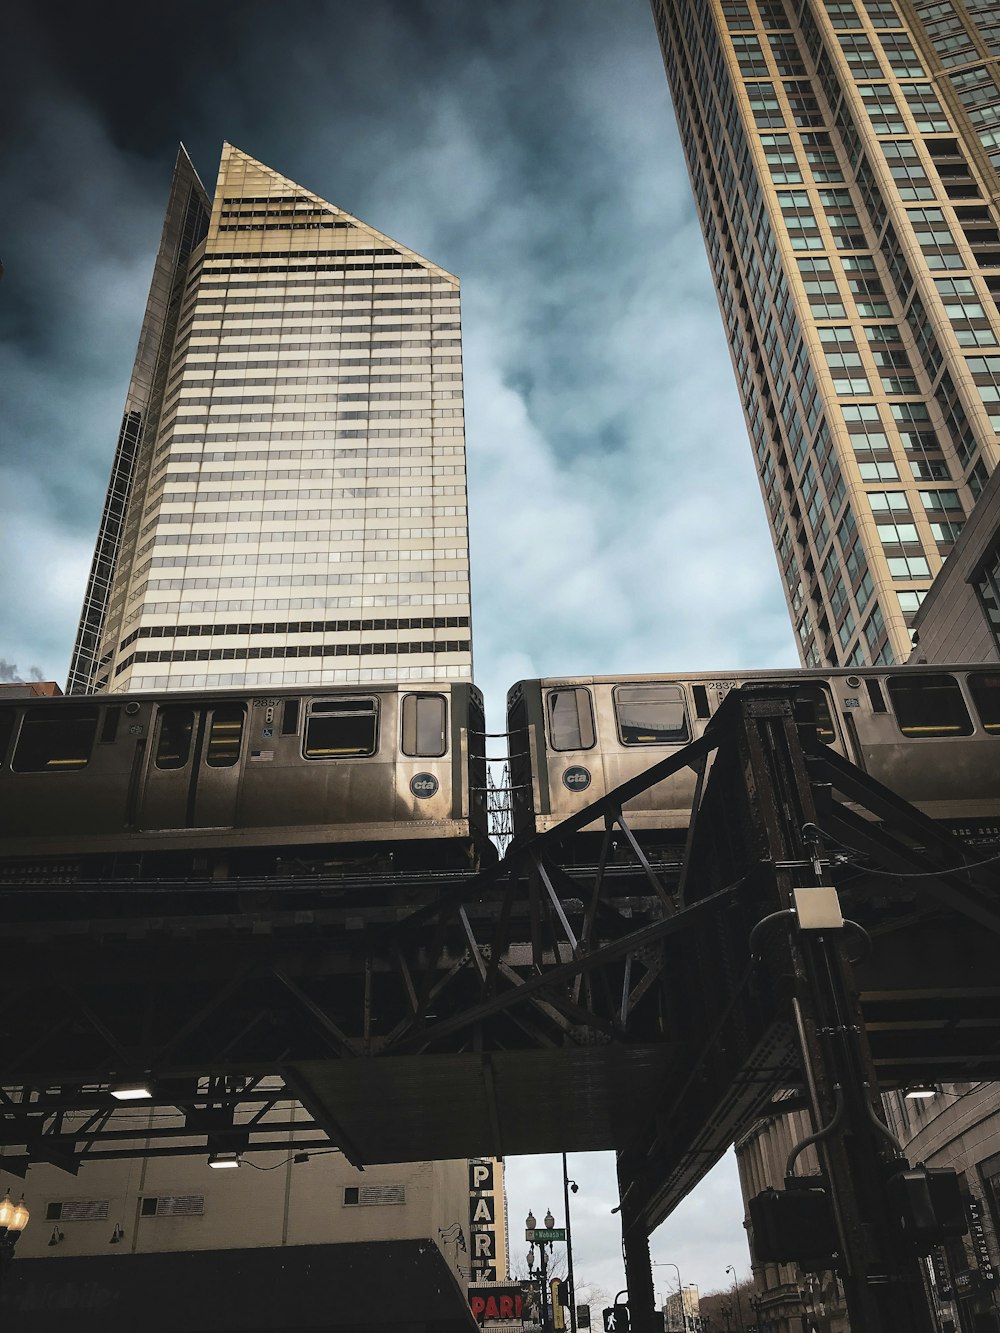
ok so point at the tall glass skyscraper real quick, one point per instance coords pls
(845, 158)
(288, 498)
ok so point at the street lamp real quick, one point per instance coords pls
(13, 1220)
(736, 1298)
(680, 1289)
(567, 1186)
(543, 1260)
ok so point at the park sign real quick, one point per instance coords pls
(497, 1304)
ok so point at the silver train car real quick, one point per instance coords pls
(234, 782)
(931, 734)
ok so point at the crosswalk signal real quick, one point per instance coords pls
(616, 1319)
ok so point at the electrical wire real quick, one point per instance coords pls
(904, 874)
(320, 1152)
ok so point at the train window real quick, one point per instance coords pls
(290, 717)
(7, 716)
(651, 714)
(571, 719)
(424, 718)
(225, 736)
(342, 728)
(875, 696)
(928, 706)
(701, 704)
(55, 739)
(985, 690)
(812, 706)
(109, 730)
(173, 745)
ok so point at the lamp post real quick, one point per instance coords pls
(730, 1268)
(680, 1288)
(543, 1260)
(567, 1185)
(13, 1220)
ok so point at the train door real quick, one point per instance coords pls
(192, 780)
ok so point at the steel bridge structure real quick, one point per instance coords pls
(635, 1004)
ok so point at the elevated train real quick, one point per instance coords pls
(376, 779)
(931, 734)
(233, 782)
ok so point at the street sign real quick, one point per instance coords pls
(548, 1233)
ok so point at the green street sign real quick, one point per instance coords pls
(556, 1233)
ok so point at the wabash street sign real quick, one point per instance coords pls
(496, 1304)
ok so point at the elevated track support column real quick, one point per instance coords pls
(881, 1274)
(643, 1317)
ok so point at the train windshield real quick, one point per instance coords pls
(571, 719)
(651, 715)
(55, 740)
(985, 690)
(424, 717)
(344, 728)
(928, 706)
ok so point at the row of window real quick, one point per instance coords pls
(59, 739)
(657, 713)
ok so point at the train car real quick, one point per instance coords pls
(239, 782)
(931, 734)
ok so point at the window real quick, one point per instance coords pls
(374, 1194)
(985, 691)
(54, 739)
(173, 1205)
(651, 715)
(811, 708)
(571, 719)
(987, 585)
(343, 728)
(928, 706)
(173, 745)
(7, 716)
(424, 721)
(225, 736)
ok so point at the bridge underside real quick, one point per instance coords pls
(541, 1006)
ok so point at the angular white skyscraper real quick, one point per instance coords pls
(288, 500)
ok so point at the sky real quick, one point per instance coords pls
(530, 148)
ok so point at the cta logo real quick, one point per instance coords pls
(424, 785)
(576, 778)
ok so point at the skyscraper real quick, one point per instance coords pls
(844, 158)
(288, 499)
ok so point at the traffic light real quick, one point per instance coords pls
(928, 1201)
(616, 1319)
(794, 1225)
(583, 1316)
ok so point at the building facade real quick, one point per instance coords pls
(844, 159)
(287, 503)
(959, 620)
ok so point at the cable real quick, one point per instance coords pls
(824, 1133)
(904, 874)
(294, 1157)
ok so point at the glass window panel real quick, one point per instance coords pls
(55, 739)
(225, 736)
(342, 728)
(424, 718)
(651, 714)
(7, 717)
(571, 719)
(927, 706)
(173, 745)
(985, 689)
